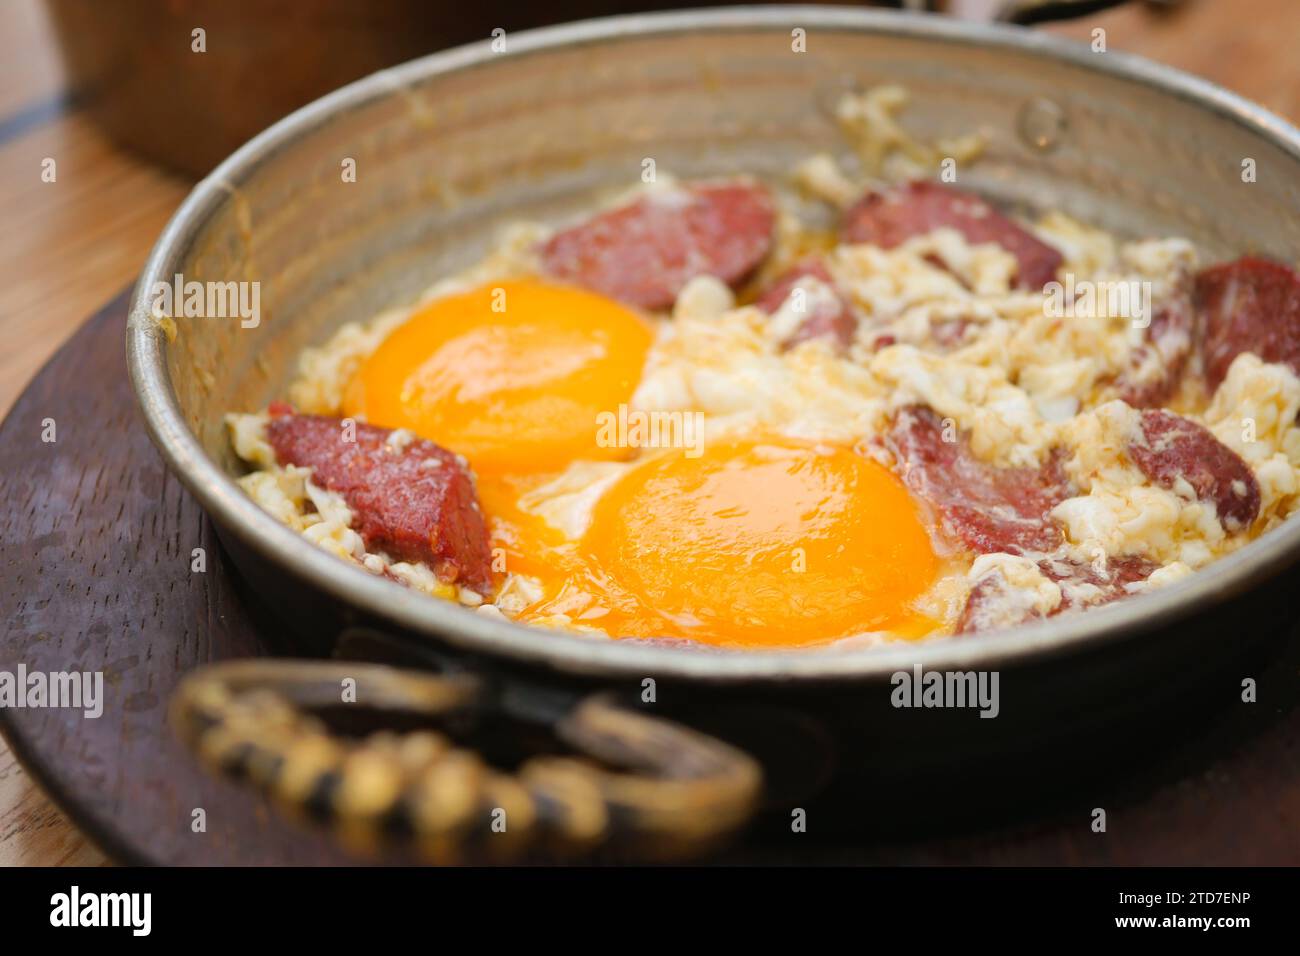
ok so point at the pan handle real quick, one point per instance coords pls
(676, 793)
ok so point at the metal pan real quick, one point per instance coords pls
(451, 147)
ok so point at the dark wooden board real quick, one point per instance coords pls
(95, 544)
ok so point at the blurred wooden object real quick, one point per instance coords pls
(189, 108)
(215, 73)
(72, 244)
(1241, 45)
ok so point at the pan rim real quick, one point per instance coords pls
(464, 630)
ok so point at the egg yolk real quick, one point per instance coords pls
(512, 375)
(756, 544)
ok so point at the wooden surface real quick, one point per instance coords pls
(95, 572)
(65, 249)
(68, 246)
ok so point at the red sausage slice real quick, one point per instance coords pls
(1170, 447)
(891, 217)
(644, 252)
(987, 508)
(414, 502)
(832, 319)
(1248, 305)
(1111, 581)
(1170, 340)
(992, 603)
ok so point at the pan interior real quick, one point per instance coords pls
(450, 149)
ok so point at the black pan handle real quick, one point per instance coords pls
(635, 787)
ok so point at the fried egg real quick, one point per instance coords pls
(511, 375)
(757, 541)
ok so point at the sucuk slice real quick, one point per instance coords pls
(644, 252)
(1248, 305)
(830, 318)
(987, 508)
(1169, 342)
(1170, 447)
(414, 501)
(992, 603)
(1110, 580)
(890, 217)
(948, 334)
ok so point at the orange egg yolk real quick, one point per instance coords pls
(753, 544)
(511, 375)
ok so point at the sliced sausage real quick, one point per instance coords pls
(1169, 447)
(830, 316)
(644, 252)
(890, 217)
(992, 603)
(985, 507)
(1106, 582)
(1159, 363)
(412, 500)
(1248, 305)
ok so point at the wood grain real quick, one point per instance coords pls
(103, 213)
(68, 246)
(95, 571)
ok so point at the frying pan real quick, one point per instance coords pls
(450, 148)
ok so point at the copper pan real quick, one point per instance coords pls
(450, 147)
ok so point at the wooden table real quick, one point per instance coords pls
(68, 246)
